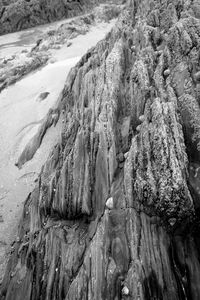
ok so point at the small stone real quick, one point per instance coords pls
(1, 219)
(142, 118)
(125, 291)
(159, 52)
(197, 76)
(172, 221)
(109, 203)
(121, 157)
(166, 72)
(133, 48)
(12, 274)
(138, 128)
(43, 96)
(52, 60)
(126, 155)
(69, 44)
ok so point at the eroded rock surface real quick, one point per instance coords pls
(130, 111)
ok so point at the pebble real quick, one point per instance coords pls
(166, 72)
(69, 44)
(138, 128)
(125, 291)
(109, 203)
(133, 48)
(126, 155)
(172, 221)
(197, 76)
(142, 118)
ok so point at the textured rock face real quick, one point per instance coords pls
(130, 138)
(22, 14)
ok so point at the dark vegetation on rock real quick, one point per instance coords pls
(115, 212)
(21, 14)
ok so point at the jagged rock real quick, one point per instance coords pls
(78, 249)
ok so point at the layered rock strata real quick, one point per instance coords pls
(115, 212)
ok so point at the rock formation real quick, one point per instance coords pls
(115, 211)
(21, 14)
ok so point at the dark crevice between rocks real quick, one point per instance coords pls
(151, 288)
(182, 286)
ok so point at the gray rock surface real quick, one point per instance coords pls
(131, 133)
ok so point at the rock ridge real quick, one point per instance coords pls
(130, 132)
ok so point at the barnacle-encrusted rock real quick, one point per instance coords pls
(149, 242)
